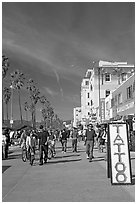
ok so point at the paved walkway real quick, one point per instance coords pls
(67, 178)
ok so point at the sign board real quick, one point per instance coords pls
(102, 110)
(120, 163)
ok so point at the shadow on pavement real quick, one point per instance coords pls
(16, 156)
(63, 161)
(71, 155)
(96, 160)
(4, 168)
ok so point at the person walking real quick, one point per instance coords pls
(43, 145)
(90, 135)
(5, 143)
(64, 136)
(31, 145)
(74, 136)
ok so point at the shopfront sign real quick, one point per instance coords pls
(126, 107)
(120, 163)
(102, 110)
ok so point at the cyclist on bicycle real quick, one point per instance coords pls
(23, 139)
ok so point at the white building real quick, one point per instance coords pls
(98, 83)
(121, 102)
(86, 97)
(76, 116)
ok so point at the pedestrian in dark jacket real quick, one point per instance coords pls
(43, 145)
(64, 136)
(90, 135)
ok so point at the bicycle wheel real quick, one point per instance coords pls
(24, 155)
(32, 160)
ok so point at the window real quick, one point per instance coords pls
(112, 102)
(88, 104)
(107, 77)
(119, 98)
(91, 102)
(129, 92)
(107, 106)
(123, 76)
(88, 113)
(88, 95)
(134, 86)
(91, 88)
(116, 99)
(107, 92)
(86, 83)
(89, 74)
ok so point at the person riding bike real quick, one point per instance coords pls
(23, 139)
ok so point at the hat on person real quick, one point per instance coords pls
(90, 125)
(41, 127)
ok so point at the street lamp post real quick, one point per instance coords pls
(99, 94)
(11, 120)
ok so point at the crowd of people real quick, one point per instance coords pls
(43, 139)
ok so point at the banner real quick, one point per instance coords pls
(120, 163)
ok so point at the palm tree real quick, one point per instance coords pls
(34, 96)
(7, 96)
(5, 67)
(45, 110)
(43, 101)
(18, 78)
(26, 108)
(50, 115)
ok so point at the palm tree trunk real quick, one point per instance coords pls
(20, 107)
(26, 116)
(2, 110)
(7, 112)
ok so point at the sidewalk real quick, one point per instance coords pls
(67, 178)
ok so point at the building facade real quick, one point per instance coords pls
(98, 83)
(123, 99)
(76, 116)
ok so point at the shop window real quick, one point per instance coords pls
(107, 92)
(107, 77)
(129, 92)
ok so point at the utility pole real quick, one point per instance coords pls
(11, 120)
(99, 94)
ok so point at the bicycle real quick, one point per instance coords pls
(32, 155)
(24, 154)
(51, 149)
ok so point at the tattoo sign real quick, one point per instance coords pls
(120, 162)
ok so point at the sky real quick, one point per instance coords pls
(56, 42)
